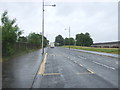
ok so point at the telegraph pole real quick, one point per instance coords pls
(43, 28)
(43, 25)
(69, 36)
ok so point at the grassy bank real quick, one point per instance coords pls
(106, 50)
(18, 53)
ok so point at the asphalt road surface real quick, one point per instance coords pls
(61, 68)
(66, 68)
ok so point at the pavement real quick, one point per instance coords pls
(20, 71)
(61, 68)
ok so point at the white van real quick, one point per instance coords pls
(52, 45)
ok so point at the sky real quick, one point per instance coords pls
(100, 19)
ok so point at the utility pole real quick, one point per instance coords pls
(43, 25)
(43, 28)
(69, 36)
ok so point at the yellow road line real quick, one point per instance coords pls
(42, 66)
(90, 71)
(52, 74)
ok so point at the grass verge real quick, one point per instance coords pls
(106, 50)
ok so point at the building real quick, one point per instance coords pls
(107, 44)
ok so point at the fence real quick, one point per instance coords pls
(19, 46)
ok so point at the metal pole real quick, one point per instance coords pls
(43, 29)
(69, 37)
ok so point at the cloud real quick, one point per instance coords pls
(100, 19)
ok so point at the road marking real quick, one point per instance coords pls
(90, 71)
(52, 74)
(81, 57)
(104, 65)
(75, 62)
(84, 73)
(81, 65)
(42, 66)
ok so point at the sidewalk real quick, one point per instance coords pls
(20, 71)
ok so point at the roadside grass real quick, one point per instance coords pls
(106, 50)
(16, 54)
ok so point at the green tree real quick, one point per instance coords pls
(37, 39)
(10, 33)
(45, 42)
(22, 39)
(83, 39)
(0, 34)
(66, 41)
(59, 39)
(72, 41)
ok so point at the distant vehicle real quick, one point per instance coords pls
(52, 45)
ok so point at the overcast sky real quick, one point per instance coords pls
(100, 19)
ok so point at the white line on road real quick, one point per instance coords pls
(103, 65)
(81, 65)
(90, 71)
(81, 57)
(75, 61)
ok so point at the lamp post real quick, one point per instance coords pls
(43, 24)
(69, 36)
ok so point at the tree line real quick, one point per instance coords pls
(80, 40)
(11, 34)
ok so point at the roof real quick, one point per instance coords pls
(106, 43)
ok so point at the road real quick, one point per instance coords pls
(66, 68)
(61, 68)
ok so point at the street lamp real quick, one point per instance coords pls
(69, 36)
(43, 24)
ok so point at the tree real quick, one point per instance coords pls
(22, 39)
(69, 41)
(37, 39)
(83, 39)
(59, 39)
(66, 41)
(0, 34)
(45, 42)
(10, 33)
(72, 41)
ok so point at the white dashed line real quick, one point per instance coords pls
(81, 65)
(103, 65)
(82, 57)
(90, 71)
